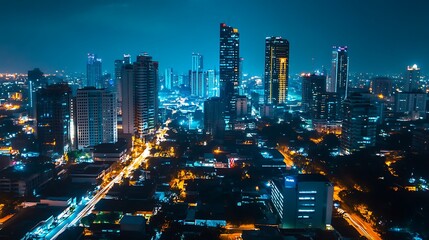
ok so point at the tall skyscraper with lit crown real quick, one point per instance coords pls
(229, 60)
(276, 70)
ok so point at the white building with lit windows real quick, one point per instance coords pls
(303, 201)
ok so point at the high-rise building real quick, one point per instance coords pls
(382, 87)
(128, 99)
(168, 78)
(197, 77)
(94, 76)
(212, 84)
(145, 95)
(35, 80)
(326, 107)
(411, 105)
(312, 87)
(199, 83)
(229, 60)
(127, 58)
(214, 124)
(53, 118)
(359, 123)
(412, 79)
(119, 64)
(240, 77)
(339, 78)
(197, 62)
(276, 70)
(37, 77)
(96, 117)
(303, 201)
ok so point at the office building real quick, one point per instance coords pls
(119, 64)
(326, 107)
(96, 117)
(94, 76)
(54, 119)
(411, 105)
(197, 62)
(168, 78)
(128, 99)
(359, 123)
(412, 79)
(229, 60)
(145, 95)
(312, 87)
(276, 70)
(198, 83)
(339, 78)
(214, 124)
(303, 201)
(212, 84)
(35, 80)
(382, 87)
(37, 77)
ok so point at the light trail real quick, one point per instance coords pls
(89, 206)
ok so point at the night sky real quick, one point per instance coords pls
(383, 36)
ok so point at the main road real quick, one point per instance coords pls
(86, 207)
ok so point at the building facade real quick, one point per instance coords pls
(359, 124)
(128, 100)
(303, 201)
(96, 117)
(54, 118)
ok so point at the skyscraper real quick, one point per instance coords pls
(118, 74)
(359, 123)
(36, 80)
(412, 79)
(37, 77)
(96, 117)
(212, 84)
(339, 79)
(94, 77)
(382, 87)
(229, 60)
(128, 99)
(326, 107)
(168, 78)
(53, 118)
(411, 105)
(276, 70)
(303, 201)
(313, 86)
(197, 62)
(214, 124)
(145, 95)
(199, 84)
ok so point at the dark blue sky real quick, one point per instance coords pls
(383, 36)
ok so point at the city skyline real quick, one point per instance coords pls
(63, 34)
